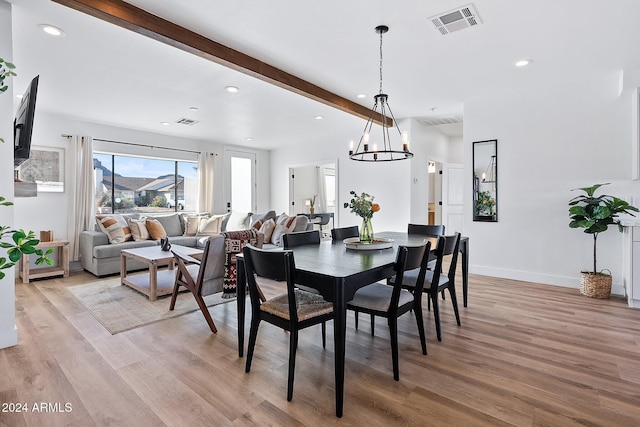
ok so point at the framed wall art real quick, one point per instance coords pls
(45, 167)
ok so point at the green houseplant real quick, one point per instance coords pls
(595, 214)
(21, 242)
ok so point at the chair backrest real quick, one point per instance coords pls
(291, 240)
(211, 271)
(447, 245)
(427, 230)
(339, 234)
(409, 258)
(275, 265)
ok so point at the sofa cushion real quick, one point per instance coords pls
(113, 250)
(190, 241)
(302, 222)
(267, 229)
(285, 224)
(238, 221)
(210, 226)
(139, 229)
(115, 227)
(172, 224)
(156, 230)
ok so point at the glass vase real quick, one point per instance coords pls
(366, 231)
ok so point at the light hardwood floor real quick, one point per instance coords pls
(526, 355)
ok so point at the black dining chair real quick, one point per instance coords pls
(293, 311)
(427, 230)
(339, 234)
(380, 299)
(291, 240)
(435, 280)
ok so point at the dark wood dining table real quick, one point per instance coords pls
(337, 273)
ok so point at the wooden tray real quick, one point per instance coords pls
(378, 243)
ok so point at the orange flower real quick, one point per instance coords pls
(375, 207)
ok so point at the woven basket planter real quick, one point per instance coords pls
(595, 285)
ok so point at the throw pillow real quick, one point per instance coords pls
(267, 229)
(238, 221)
(285, 224)
(172, 224)
(257, 224)
(155, 228)
(115, 227)
(301, 223)
(138, 229)
(209, 226)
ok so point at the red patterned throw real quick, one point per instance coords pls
(234, 241)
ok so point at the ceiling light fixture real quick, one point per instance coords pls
(165, 123)
(193, 108)
(362, 95)
(232, 89)
(52, 30)
(319, 117)
(248, 138)
(386, 154)
(522, 63)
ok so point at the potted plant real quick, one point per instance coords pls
(595, 215)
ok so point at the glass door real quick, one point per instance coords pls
(240, 181)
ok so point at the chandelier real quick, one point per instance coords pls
(369, 151)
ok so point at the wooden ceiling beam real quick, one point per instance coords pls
(142, 22)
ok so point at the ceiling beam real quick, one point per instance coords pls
(142, 22)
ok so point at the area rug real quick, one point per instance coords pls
(119, 308)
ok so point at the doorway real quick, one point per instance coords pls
(434, 193)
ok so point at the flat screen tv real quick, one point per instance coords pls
(23, 124)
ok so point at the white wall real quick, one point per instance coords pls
(574, 135)
(48, 131)
(8, 331)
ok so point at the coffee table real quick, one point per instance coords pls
(153, 283)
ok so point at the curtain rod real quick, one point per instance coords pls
(141, 145)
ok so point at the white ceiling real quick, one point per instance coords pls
(106, 74)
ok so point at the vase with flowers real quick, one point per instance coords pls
(312, 204)
(363, 206)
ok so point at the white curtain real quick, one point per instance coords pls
(322, 190)
(81, 214)
(206, 163)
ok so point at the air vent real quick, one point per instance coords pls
(435, 121)
(188, 122)
(455, 20)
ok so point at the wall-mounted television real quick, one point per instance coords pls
(23, 124)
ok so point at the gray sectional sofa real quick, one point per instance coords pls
(102, 258)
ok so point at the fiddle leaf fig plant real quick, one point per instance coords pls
(21, 243)
(596, 214)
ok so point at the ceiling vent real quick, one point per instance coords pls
(436, 121)
(188, 122)
(457, 19)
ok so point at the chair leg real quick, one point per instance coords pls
(205, 312)
(420, 322)
(293, 345)
(436, 315)
(373, 324)
(393, 332)
(355, 313)
(324, 334)
(454, 301)
(253, 333)
(174, 295)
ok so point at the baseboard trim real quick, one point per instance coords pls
(545, 279)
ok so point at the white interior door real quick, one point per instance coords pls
(240, 182)
(453, 197)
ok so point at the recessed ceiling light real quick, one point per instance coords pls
(232, 89)
(319, 117)
(193, 108)
(165, 123)
(362, 95)
(52, 30)
(522, 63)
(248, 138)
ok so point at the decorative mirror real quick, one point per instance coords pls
(485, 180)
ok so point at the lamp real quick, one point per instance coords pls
(384, 153)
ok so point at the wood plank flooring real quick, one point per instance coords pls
(525, 355)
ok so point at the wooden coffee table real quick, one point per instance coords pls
(155, 282)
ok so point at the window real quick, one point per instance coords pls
(136, 184)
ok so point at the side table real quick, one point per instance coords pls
(62, 268)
